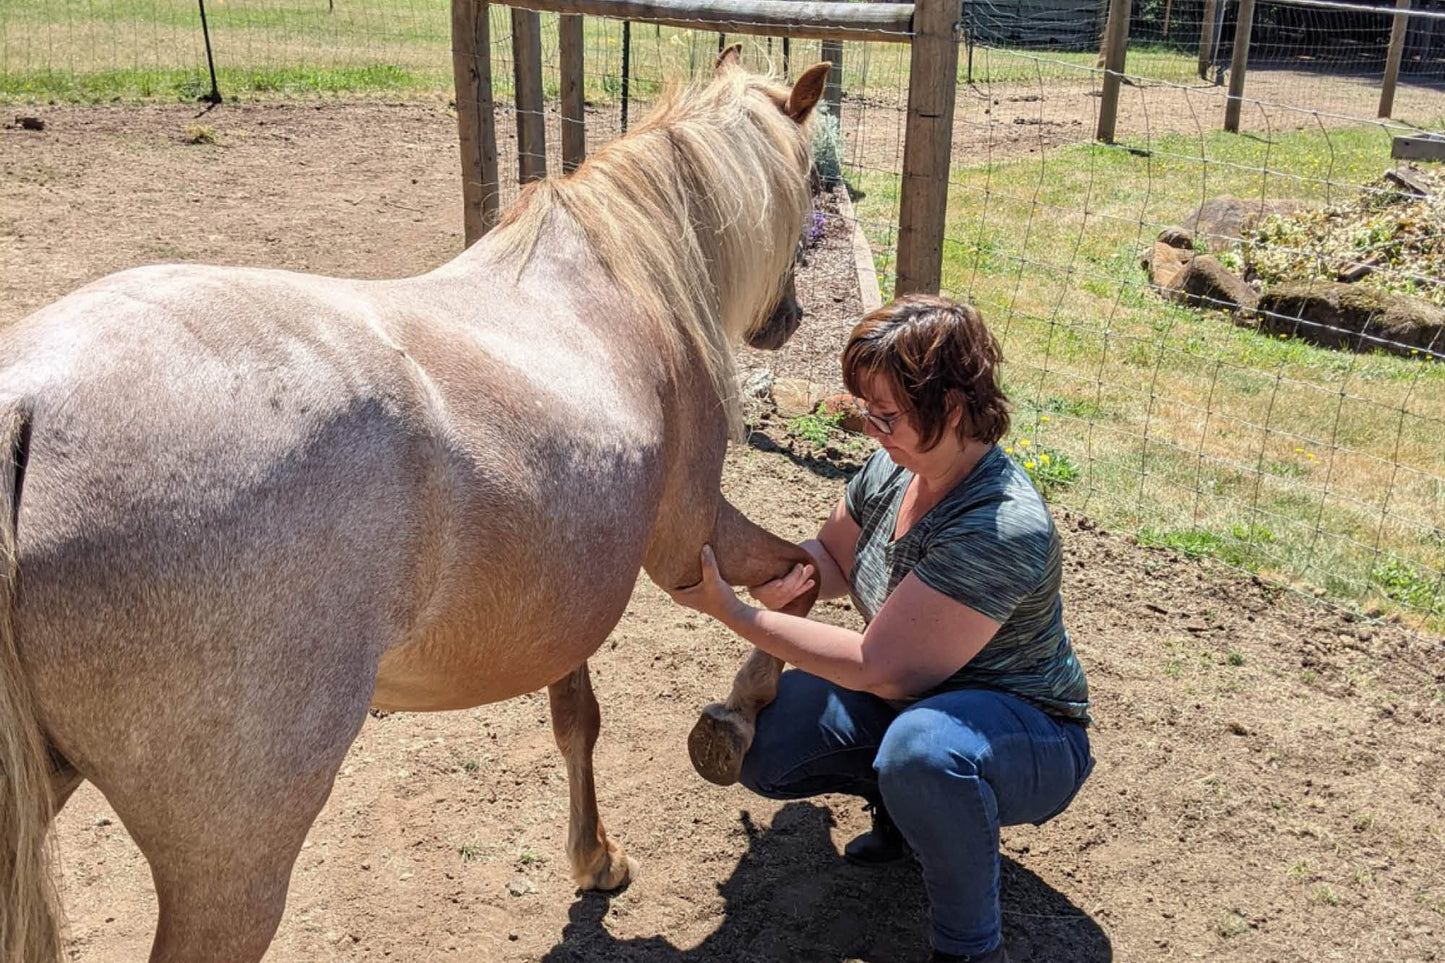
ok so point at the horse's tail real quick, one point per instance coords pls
(29, 912)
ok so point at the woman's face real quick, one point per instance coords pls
(903, 443)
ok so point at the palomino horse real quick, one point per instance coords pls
(239, 507)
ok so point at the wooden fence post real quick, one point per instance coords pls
(927, 144)
(1116, 43)
(574, 119)
(1235, 99)
(531, 122)
(832, 51)
(1207, 48)
(1392, 60)
(476, 123)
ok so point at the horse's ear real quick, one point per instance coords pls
(728, 59)
(807, 91)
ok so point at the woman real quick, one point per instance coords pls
(961, 707)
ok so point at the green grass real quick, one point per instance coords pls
(141, 50)
(1313, 467)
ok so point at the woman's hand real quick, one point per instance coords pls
(711, 596)
(780, 591)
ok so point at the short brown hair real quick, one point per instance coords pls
(934, 354)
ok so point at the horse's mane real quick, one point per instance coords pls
(696, 213)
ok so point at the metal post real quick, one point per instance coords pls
(626, 68)
(215, 95)
(1116, 43)
(1235, 100)
(1392, 60)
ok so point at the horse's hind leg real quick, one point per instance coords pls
(747, 555)
(597, 862)
(222, 868)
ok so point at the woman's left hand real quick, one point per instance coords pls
(711, 596)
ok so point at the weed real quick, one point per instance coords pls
(1231, 924)
(469, 852)
(201, 134)
(1235, 657)
(1324, 894)
(816, 429)
(470, 765)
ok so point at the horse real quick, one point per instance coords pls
(241, 507)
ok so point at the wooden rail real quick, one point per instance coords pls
(928, 139)
(886, 22)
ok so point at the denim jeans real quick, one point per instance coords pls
(951, 769)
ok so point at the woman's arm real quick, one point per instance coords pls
(832, 552)
(919, 638)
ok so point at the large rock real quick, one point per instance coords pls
(1204, 282)
(1164, 262)
(1221, 222)
(796, 396)
(1337, 315)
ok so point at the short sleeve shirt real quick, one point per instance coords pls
(989, 544)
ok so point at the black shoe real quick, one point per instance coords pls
(996, 955)
(881, 844)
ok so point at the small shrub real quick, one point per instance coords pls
(815, 428)
(1049, 469)
(827, 147)
(1404, 583)
(201, 134)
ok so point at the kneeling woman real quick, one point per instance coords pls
(961, 707)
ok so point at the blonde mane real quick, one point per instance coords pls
(696, 212)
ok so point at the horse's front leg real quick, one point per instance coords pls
(597, 862)
(746, 555)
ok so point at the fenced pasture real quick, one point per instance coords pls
(1269, 776)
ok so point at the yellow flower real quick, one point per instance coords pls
(1044, 459)
(1008, 451)
(1310, 455)
(1029, 465)
(1299, 451)
(1284, 337)
(1023, 442)
(1043, 417)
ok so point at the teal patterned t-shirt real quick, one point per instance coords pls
(991, 545)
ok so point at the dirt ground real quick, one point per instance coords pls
(1269, 780)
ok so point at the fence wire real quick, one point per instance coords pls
(1299, 449)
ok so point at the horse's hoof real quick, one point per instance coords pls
(619, 870)
(718, 743)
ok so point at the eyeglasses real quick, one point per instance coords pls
(883, 423)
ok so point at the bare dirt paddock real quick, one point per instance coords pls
(1269, 780)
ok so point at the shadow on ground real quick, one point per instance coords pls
(791, 898)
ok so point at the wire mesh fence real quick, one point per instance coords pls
(1210, 419)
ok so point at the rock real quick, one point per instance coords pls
(847, 406)
(1207, 283)
(1177, 237)
(795, 396)
(521, 886)
(1337, 315)
(29, 123)
(1221, 222)
(1164, 263)
(756, 383)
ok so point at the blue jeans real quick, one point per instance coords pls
(951, 769)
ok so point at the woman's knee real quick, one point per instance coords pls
(925, 744)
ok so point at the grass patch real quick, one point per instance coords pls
(1303, 464)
